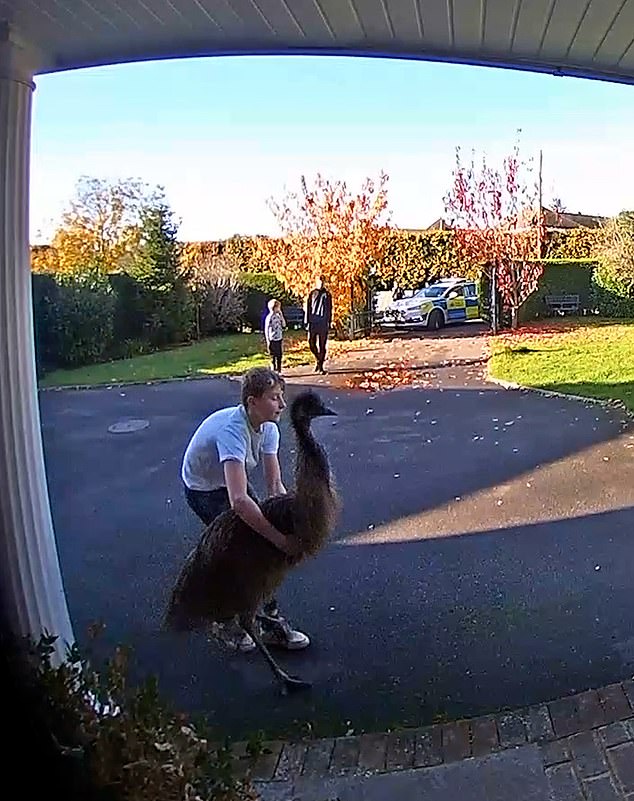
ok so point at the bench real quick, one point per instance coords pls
(562, 304)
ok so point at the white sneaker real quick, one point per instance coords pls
(232, 636)
(286, 637)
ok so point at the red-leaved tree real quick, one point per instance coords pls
(498, 225)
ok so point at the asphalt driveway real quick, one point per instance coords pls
(484, 557)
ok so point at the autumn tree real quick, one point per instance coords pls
(330, 231)
(100, 228)
(498, 224)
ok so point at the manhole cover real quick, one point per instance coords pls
(127, 426)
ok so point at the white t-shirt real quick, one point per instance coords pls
(225, 434)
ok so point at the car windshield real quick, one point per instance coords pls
(432, 291)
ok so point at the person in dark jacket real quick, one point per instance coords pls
(318, 321)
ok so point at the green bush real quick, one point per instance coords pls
(614, 297)
(130, 307)
(259, 288)
(614, 277)
(74, 319)
(109, 738)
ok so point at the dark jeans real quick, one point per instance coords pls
(317, 339)
(207, 506)
(275, 349)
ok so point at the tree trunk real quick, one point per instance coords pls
(515, 317)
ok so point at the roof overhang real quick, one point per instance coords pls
(584, 38)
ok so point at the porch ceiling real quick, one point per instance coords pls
(592, 38)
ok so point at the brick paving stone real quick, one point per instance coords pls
(601, 788)
(538, 723)
(629, 725)
(615, 734)
(317, 759)
(628, 689)
(456, 742)
(511, 730)
(345, 756)
(241, 762)
(372, 750)
(484, 736)
(263, 768)
(290, 762)
(622, 760)
(591, 713)
(401, 747)
(565, 716)
(555, 753)
(615, 703)
(428, 747)
(564, 784)
(587, 755)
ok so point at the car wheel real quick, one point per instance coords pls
(435, 320)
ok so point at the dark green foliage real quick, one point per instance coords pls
(259, 288)
(74, 319)
(572, 277)
(169, 313)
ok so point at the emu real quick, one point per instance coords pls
(233, 569)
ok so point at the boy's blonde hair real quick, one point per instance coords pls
(272, 304)
(257, 380)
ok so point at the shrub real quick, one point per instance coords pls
(74, 319)
(259, 288)
(614, 277)
(219, 306)
(118, 740)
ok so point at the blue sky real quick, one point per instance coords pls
(224, 134)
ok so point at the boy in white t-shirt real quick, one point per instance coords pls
(224, 449)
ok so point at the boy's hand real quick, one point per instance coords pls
(290, 546)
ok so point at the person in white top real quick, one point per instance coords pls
(274, 325)
(223, 450)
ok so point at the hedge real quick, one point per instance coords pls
(259, 289)
(570, 277)
(83, 319)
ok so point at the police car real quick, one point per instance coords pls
(451, 300)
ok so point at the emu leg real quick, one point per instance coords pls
(273, 622)
(289, 683)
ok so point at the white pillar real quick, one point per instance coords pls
(32, 588)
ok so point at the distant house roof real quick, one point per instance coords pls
(552, 220)
(565, 219)
(439, 225)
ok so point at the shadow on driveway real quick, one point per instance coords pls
(410, 617)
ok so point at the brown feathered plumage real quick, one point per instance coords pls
(233, 569)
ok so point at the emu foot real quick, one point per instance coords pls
(291, 684)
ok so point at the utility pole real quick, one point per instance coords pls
(541, 206)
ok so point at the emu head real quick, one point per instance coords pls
(306, 406)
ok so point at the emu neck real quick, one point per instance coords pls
(311, 469)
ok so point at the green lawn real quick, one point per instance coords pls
(232, 353)
(593, 359)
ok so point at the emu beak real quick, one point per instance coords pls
(328, 412)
